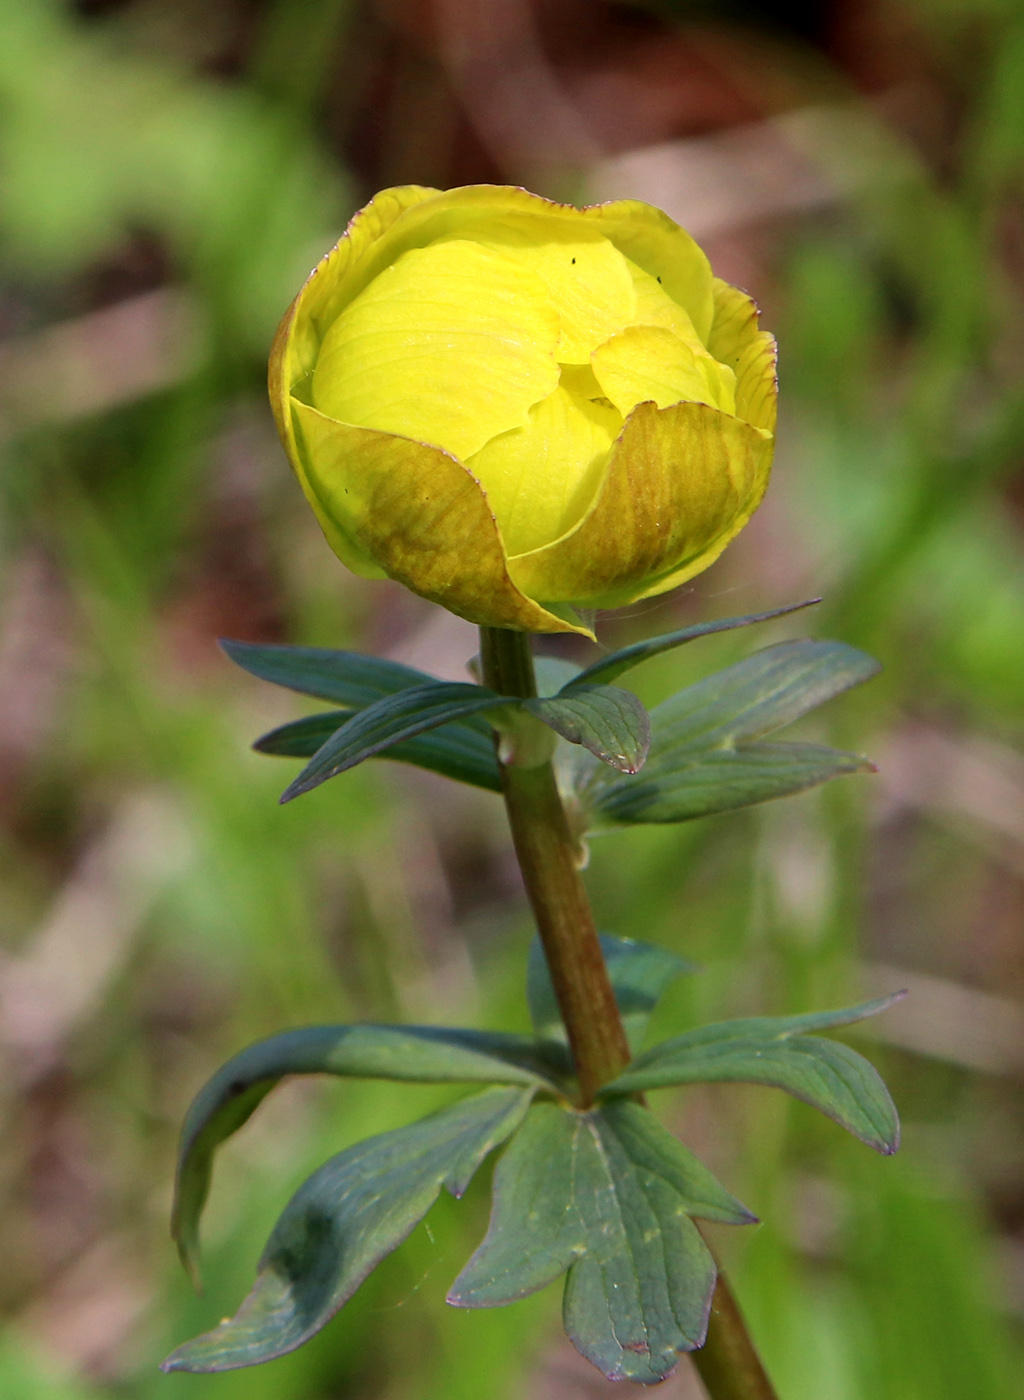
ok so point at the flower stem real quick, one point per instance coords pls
(544, 847)
(728, 1363)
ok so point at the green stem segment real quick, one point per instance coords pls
(728, 1364)
(544, 846)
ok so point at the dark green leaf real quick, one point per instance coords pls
(757, 695)
(618, 662)
(418, 1054)
(704, 755)
(722, 780)
(388, 721)
(346, 678)
(609, 721)
(639, 973)
(339, 1225)
(772, 1050)
(463, 750)
(606, 1195)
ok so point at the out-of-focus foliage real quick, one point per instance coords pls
(169, 169)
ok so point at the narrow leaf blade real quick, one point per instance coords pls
(388, 721)
(769, 1027)
(641, 1293)
(463, 750)
(758, 695)
(825, 1074)
(417, 1054)
(338, 1226)
(721, 780)
(609, 721)
(346, 678)
(535, 1232)
(653, 1150)
(608, 668)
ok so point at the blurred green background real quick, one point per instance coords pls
(169, 171)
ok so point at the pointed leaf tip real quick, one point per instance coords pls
(609, 668)
(609, 721)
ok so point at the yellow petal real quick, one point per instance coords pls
(657, 244)
(540, 479)
(651, 364)
(581, 381)
(420, 517)
(680, 483)
(737, 342)
(654, 307)
(587, 280)
(450, 345)
(297, 342)
(647, 236)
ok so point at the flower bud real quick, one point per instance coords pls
(519, 408)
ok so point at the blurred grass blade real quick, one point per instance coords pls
(388, 721)
(347, 1217)
(460, 750)
(772, 1051)
(639, 972)
(607, 720)
(415, 1054)
(610, 667)
(607, 1196)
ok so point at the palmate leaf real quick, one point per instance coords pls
(607, 1196)
(639, 973)
(706, 755)
(388, 721)
(462, 749)
(417, 1054)
(777, 1051)
(607, 720)
(338, 1226)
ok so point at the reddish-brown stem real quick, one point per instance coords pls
(544, 847)
(728, 1363)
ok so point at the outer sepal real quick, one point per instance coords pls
(418, 513)
(666, 509)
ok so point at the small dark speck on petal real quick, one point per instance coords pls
(659, 279)
(574, 261)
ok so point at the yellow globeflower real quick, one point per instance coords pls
(518, 408)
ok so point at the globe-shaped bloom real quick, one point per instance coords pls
(518, 408)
